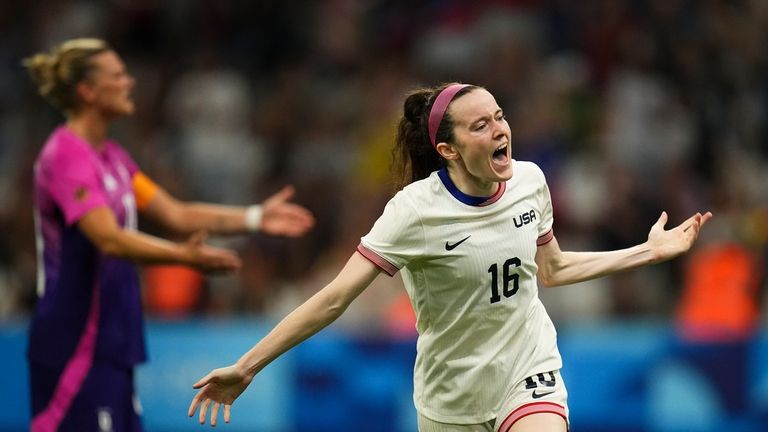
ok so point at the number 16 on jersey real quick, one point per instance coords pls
(510, 279)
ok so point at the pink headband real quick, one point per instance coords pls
(438, 109)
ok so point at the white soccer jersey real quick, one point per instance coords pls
(468, 265)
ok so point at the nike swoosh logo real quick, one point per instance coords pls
(540, 395)
(449, 246)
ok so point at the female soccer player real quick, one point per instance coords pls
(86, 335)
(471, 234)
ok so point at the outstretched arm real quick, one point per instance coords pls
(224, 385)
(275, 216)
(561, 268)
(102, 229)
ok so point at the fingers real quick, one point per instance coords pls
(209, 258)
(288, 220)
(683, 235)
(299, 214)
(693, 229)
(283, 195)
(198, 238)
(697, 220)
(227, 412)
(701, 220)
(203, 381)
(212, 259)
(284, 218)
(228, 260)
(298, 224)
(692, 226)
(198, 397)
(691, 222)
(214, 413)
(204, 410)
(194, 404)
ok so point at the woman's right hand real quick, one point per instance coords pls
(208, 258)
(220, 386)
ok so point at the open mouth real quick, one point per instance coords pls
(500, 154)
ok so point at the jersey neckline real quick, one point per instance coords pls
(471, 200)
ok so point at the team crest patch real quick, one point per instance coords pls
(81, 194)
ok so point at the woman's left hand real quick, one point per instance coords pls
(220, 387)
(667, 244)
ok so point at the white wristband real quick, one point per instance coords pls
(253, 215)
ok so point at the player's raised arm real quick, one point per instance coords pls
(100, 227)
(557, 267)
(88, 192)
(222, 386)
(275, 216)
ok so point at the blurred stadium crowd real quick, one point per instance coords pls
(630, 108)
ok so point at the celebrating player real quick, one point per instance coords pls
(86, 335)
(471, 234)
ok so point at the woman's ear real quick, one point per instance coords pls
(447, 151)
(85, 92)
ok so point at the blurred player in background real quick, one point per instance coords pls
(471, 233)
(86, 335)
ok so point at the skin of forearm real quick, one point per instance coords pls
(143, 248)
(214, 218)
(309, 318)
(315, 314)
(572, 267)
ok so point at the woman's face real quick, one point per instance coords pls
(483, 137)
(110, 86)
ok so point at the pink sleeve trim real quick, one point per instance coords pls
(386, 266)
(532, 408)
(545, 238)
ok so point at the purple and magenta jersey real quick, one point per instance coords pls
(89, 306)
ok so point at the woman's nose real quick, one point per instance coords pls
(499, 128)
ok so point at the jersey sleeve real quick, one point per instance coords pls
(144, 189)
(396, 238)
(74, 183)
(546, 234)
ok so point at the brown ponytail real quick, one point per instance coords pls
(414, 157)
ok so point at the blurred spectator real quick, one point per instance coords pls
(629, 107)
(209, 110)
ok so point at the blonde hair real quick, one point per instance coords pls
(57, 73)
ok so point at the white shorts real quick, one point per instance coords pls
(429, 425)
(540, 393)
